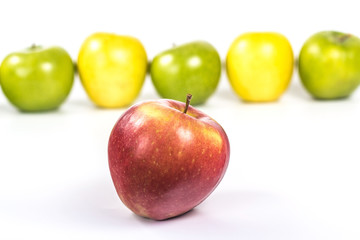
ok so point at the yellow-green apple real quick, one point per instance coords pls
(259, 66)
(329, 64)
(37, 78)
(166, 157)
(112, 69)
(190, 68)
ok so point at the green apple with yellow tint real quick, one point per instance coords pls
(329, 64)
(37, 78)
(190, 68)
(112, 69)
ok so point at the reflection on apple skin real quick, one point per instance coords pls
(164, 162)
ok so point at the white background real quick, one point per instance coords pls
(294, 166)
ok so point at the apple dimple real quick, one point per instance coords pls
(155, 108)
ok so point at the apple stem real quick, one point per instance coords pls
(33, 46)
(344, 37)
(188, 99)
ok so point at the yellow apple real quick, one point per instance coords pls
(259, 66)
(112, 69)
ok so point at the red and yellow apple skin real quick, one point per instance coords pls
(164, 162)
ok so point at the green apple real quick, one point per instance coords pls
(37, 78)
(329, 64)
(190, 68)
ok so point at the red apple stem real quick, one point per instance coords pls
(188, 99)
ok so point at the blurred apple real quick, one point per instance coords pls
(329, 64)
(190, 68)
(37, 78)
(166, 157)
(112, 69)
(259, 66)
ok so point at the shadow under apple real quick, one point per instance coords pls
(226, 214)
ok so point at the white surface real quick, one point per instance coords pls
(294, 166)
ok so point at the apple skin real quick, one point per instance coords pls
(112, 69)
(164, 162)
(193, 68)
(38, 78)
(329, 65)
(259, 66)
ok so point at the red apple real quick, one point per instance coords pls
(166, 157)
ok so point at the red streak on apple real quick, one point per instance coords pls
(164, 162)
